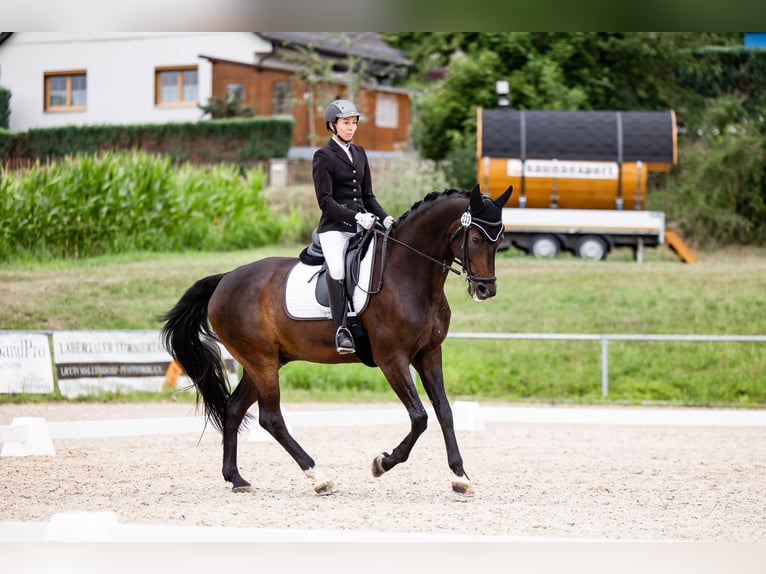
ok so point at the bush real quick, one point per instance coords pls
(717, 195)
(120, 202)
(5, 108)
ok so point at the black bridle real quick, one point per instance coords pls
(466, 222)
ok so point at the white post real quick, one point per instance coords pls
(36, 440)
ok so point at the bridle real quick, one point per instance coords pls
(466, 222)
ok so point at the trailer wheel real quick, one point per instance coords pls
(544, 246)
(592, 247)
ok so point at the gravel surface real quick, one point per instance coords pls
(575, 481)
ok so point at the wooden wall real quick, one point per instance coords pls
(258, 82)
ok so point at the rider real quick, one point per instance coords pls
(343, 186)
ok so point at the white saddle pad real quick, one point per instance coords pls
(300, 291)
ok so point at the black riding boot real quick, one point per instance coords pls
(344, 343)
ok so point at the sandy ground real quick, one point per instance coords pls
(530, 480)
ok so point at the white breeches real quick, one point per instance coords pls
(334, 250)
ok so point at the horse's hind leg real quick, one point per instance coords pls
(236, 408)
(430, 369)
(271, 419)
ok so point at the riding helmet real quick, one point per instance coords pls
(340, 109)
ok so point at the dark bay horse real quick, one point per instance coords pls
(406, 320)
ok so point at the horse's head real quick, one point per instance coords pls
(482, 226)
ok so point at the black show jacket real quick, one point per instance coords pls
(343, 188)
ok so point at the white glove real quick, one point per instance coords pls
(388, 222)
(366, 220)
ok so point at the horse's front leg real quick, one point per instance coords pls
(398, 375)
(429, 366)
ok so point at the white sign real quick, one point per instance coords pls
(25, 363)
(89, 362)
(553, 168)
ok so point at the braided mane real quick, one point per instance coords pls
(430, 198)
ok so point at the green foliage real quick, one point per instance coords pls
(447, 111)
(236, 140)
(119, 202)
(222, 108)
(717, 195)
(734, 71)
(5, 108)
(6, 143)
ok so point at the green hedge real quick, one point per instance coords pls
(237, 140)
(5, 108)
(111, 203)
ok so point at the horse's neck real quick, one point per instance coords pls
(429, 238)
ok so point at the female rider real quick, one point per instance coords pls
(343, 186)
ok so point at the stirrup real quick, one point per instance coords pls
(344, 342)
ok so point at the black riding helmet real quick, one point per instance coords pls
(339, 109)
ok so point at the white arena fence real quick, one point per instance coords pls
(34, 435)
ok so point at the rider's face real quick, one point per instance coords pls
(346, 127)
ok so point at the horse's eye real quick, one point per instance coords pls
(475, 239)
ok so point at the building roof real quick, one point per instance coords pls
(363, 44)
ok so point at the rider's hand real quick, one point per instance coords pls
(388, 222)
(366, 220)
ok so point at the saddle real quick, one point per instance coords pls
(355, 251)
(315, 304)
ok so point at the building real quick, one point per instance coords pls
(86, 78)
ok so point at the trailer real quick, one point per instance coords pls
(587, 233)
(579, 177)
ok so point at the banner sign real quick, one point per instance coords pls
(89, 362)
(25, 363)
(553, 168)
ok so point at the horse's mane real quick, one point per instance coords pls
(430, 198)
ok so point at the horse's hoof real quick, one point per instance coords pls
(462, 488)
(326, 488)
(377, 465)
(241, 488)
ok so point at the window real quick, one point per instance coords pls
(281, 98)
(386, 111)
(66, 91)
(235, 93)
(175, 86)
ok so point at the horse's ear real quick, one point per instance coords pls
(503, 199)
(476, 198)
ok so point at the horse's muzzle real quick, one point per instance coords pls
(482, 290)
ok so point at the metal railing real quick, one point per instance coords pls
(604, 341)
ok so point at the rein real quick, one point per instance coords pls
(465, 261)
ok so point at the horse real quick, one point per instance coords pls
(406, 319)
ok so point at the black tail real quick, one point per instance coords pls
(190, 341)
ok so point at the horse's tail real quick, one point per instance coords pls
(190, 341)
